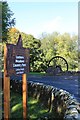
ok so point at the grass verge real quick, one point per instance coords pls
(35, 110)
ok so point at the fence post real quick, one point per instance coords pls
(6, 89)
(24, 92)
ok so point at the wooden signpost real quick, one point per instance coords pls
(16, 62)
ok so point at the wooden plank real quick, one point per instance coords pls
(24, 86)
(6, 89)
(6, 97)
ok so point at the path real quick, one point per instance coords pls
(68, 83)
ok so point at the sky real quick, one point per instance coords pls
(36, 18)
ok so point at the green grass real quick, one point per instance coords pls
(37, 73)
(35, 110)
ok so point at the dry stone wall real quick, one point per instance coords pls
(58, 101)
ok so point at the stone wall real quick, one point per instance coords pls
(58, 101)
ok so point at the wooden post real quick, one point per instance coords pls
(24, 86)
(6, 89)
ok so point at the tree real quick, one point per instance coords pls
(63, 45)
(35, 52)
(51, 45)
(0, 22)
(7, 20)
(28, 42)
(13, 35)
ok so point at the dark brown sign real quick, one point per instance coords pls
(17, 59)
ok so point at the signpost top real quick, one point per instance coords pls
(19, 43)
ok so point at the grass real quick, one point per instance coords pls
(37, 73)
(35, 110)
